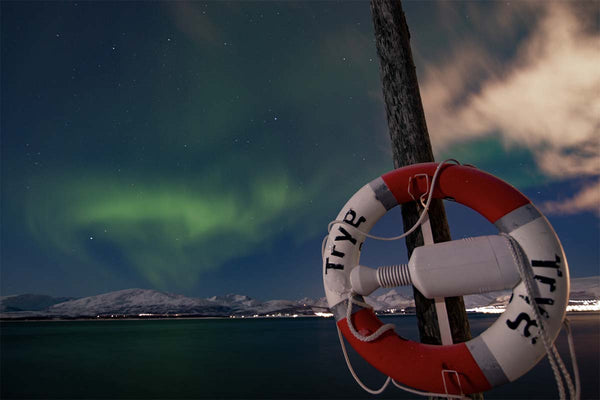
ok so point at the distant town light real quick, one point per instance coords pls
(584, 305)
(324, 314)
(574, 305)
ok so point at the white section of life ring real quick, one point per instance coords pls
(337, 281)
(512, 345)
(517, 349)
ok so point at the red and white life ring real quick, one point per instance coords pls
(508, 348)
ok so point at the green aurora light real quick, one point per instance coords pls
(169, 232)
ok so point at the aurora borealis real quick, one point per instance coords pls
(202, 148)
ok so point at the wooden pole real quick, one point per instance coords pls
(410, 145)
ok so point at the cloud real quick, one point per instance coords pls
(587, 199)
(544, 99)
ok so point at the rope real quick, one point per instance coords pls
(375, 335)
(526, 274)
(556, 363)
(382, 329)
(388, 380)
(356, 378)
(351, 300)
(567, 325)
(408, 232)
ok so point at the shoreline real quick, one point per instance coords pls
(191, 317)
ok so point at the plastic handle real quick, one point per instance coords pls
(456, 268)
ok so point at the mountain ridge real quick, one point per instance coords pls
(146, 302)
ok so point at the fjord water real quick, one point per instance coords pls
(224, 358)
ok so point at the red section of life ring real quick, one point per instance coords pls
(460, 368)
(478, 190)
(415, 364)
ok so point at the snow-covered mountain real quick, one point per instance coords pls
(585, 288)
(234, 301)
(319, 303)
(582, 289)
(499, 298)
(135, 302)
(391, 300)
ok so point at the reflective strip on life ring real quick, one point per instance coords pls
(510, 346)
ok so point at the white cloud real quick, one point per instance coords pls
(587, 199)
(547, 98)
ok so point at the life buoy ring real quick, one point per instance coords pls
(510, 346)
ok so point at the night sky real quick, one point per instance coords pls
(201, 148)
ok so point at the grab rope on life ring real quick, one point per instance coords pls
(537, 273)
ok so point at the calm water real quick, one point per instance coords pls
(266, 358)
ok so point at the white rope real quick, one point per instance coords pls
(356, 378)
(375, 335)
(408, 232)
(382, 329)
(387, 381)
(526, 274)
(351, 300)
(567, 325)
(554, 358)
